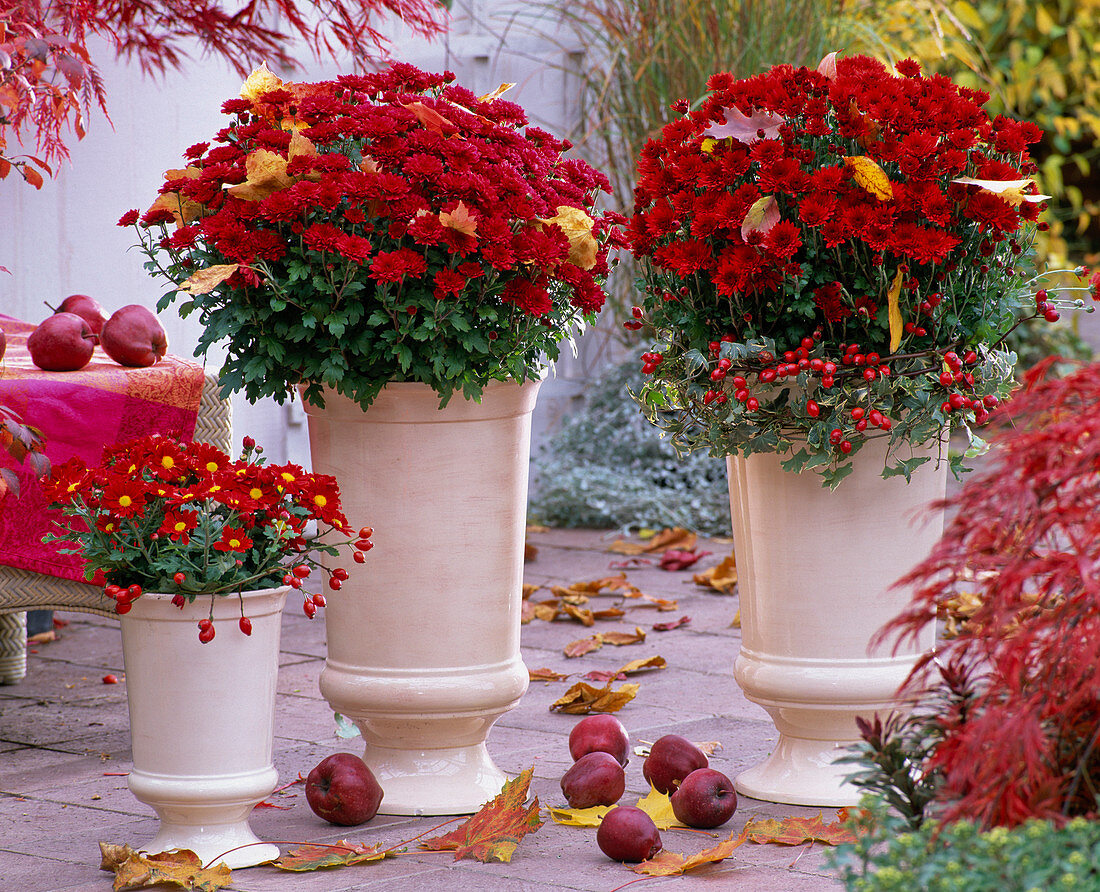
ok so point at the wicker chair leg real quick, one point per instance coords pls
(13, 647)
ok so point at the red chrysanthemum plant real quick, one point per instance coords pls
(376, 228)
(832, 256)
(161, 515)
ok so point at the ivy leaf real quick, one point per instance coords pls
(495, 831)
(341, 854)
(181, 869)
(670, 864)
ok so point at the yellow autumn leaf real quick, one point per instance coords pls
(183, 209)
(265, 173)
(583, 699)
(761, 216)
(1011, 191)
(580, 817)
(659, 807)
(722, 577)
(206, 280)
(261, 80)
(894, 311)
(577, 226)
(869, 176)
(496, 94)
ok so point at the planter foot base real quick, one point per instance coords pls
(211, 841)
(450, 781)
(801, 771)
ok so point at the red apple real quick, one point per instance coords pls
(704, 799)
(627, 833)
(87, 308)
(62, 342)
(133, 336)
(670, 760)
(594, 779)
(600, 733)
(343, 790)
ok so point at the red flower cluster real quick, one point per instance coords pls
(372, 193)
(843, 213)
(162, 515)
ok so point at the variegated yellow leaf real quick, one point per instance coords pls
(577, 226)
(260, 81)
(896, 323)
(869, 176)
(206, 280)
(761, 216)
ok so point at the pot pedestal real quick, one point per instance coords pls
(423, 638)
(202, 720)
(816, 570)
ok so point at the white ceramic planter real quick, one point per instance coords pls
(202, 720)
(816, 569)
(423, 640)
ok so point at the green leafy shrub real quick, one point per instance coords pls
(1037, 855)
(607, 467)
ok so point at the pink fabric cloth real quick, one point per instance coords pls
(79, 413)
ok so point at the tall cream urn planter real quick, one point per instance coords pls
(202, 720)
(816, 569)
(424, 640)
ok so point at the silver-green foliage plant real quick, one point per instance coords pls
(607, 467)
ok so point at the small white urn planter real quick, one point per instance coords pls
(202, 720)
(816, 570)
(424, 638)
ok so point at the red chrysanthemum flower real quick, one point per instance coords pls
(233, 539)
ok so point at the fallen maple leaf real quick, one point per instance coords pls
(675, 624)
(181, 868)
(675, 537)
(546, 675)
(494, 832)
(461, 220)
(659, 807)
(670, 864)
(315, 856)
(793, 831)
(582, 646)
(745, 128)
(680, 559)
(721, 577)
(583, 699)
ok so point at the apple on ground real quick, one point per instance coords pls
(87, 308)
(705, 799)
(670, 760)
(627, 833)
(133, 336)
(62, 342)
(600, 733)
(343, 790)
(595, 778)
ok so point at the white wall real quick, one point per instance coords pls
(63, 239)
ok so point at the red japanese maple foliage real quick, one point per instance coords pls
(1019, 687)
(49, 83)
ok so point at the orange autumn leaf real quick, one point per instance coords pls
(582, 646)
(580, 614)
(869, 176)
(342, 854)
(181, 868)
(265, 173)
(182, 209)
(529, 590)
(621, 638)
(793, 831)
(493, 833)
(594, 586)
(496, 94)
(547, 675)
(609, 613)
(670, 864)
(577, 226)
(431, 119)
(674, 537)
(722, 577)
(460, 220)
(204, 281)
(584, 699)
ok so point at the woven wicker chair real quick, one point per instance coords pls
(22, 590)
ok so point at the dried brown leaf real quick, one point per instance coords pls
(547, 675)
(675, 624)
(182, 869)
(582, 699)
(722, 577)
